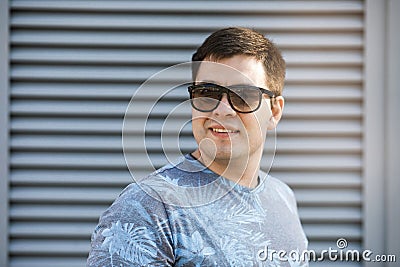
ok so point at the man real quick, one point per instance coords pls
(214, 207)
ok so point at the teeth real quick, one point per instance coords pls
(222, 130)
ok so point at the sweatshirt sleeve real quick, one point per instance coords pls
(133, 231)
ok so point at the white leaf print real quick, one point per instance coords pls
(237, 254)
(130, 243)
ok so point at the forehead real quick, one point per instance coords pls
(239, 69)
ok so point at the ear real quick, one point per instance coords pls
(277, 105)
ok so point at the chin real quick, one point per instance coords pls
(228, 155)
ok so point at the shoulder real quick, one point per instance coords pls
(281, 192)
(137, 199)
(276, 185)
(281, 186)
(134, 229)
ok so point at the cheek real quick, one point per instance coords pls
(197, 124)
(253, 126)
(264, 114)
(257, 124)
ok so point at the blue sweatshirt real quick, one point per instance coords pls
(186, 215)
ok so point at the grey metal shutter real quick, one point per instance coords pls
(75, 65)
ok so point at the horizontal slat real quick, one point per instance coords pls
(82, 230)
(168, 56)
(135, 74)
(100, 108)
(38, 261)
(57, 212)
(316, 127)
(90, 73)
(286, 127)
(68, 108)
(52, 195)
(317, 40)
(117, 91)
(116, 160)
(333, 231)
(63, 195)
(319, 144)
(142, 109)
(103, 91)
(119, 178)
(116, 178)
(320, 245)
(296, 22)
(328, 197)
(108, 56)
(79, 91)
(314, 92)
(294, 57)
(66, 125)
(322, 109)
(48, 212)
(71, 160)
(293, 162)
(97, 143)
(45, 247)
(317, 179)
(59, 230)
(194, 6)
(329, 74)
(67, 142)
(22, 142)
(331, 215)
(188, 40)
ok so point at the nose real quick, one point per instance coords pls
(224, 108)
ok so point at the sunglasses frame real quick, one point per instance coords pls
(227, 91)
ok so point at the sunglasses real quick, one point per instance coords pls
(205, 97)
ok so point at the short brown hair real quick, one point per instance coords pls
(233, 41)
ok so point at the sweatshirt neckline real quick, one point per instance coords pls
(262, 177)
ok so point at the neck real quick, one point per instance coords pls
(241, 171)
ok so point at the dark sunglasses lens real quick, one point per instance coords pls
(205, 98)
(245, 99)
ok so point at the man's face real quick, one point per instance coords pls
(224, 134)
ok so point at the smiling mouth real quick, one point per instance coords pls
(219, 130)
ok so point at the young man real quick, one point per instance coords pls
(214, 207)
